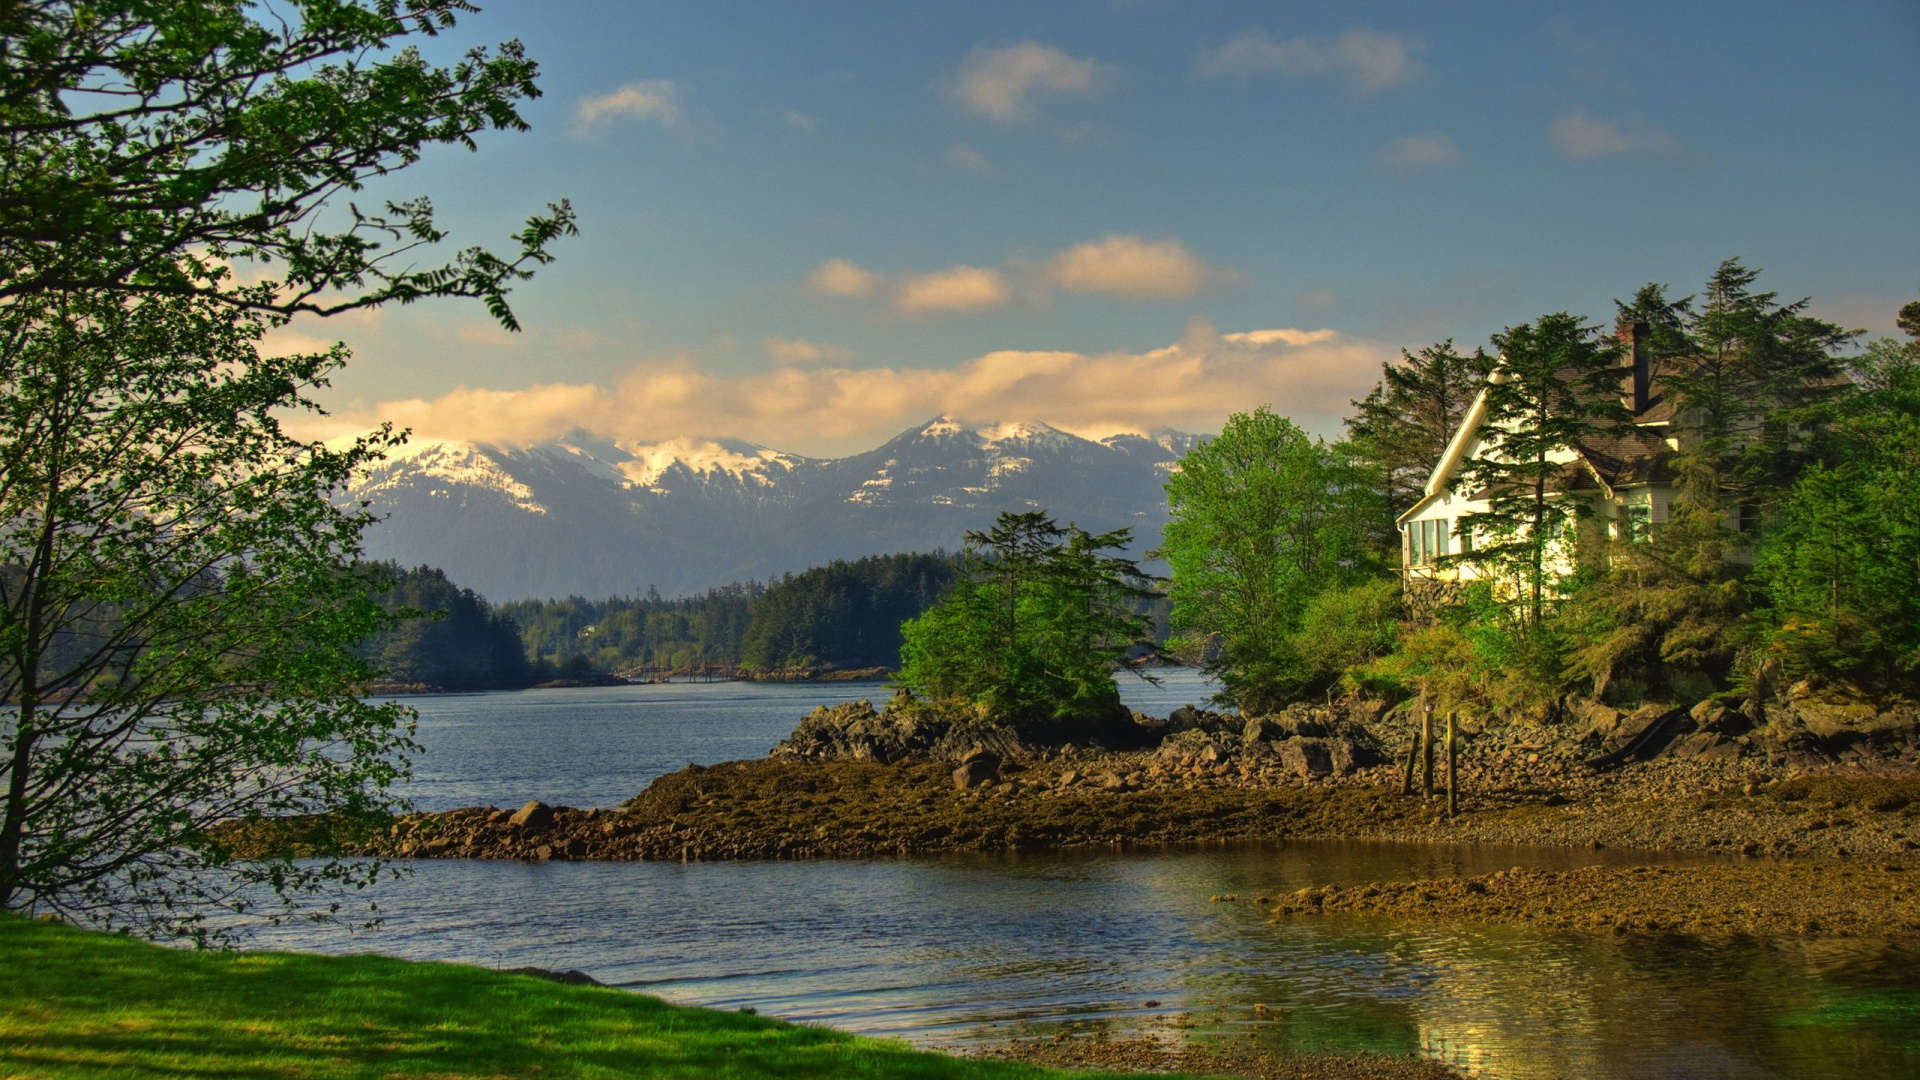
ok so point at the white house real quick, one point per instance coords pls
(1627, 479)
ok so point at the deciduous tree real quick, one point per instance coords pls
(178, 613)
(147, 145)
(1263, 519)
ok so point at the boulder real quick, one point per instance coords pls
(1261, 729)
(1711, 716)
(534, 815)
(977, 771)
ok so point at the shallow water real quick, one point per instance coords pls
(951, 951)
(957, 950)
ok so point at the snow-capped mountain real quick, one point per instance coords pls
(583, 516)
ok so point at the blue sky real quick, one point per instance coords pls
(811, 224)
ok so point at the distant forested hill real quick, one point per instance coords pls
(845, 614)
(623, 632)
(460, 642)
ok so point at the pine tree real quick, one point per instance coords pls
(1745, 389)
(1402, 427)
(1556, 388)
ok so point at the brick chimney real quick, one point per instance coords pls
(1636, 371)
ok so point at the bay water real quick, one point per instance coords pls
(953, 951)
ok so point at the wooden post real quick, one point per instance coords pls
(1426, 752)
(1453, 767)
(1413, 751)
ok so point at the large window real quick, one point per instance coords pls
(1427, 542)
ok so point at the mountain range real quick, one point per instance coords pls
(583, 516)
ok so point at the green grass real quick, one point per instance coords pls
(74, 1003)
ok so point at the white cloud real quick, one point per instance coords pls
(842, 277)
(797, 351)
(1583, 136)
(1003, 84)
(800, 121)
(967, 159)
(1117, 265)
(1367, 62)
(1192, 384)
(1128, 266)
(654, 100)
(957, 288)
(1418, 153)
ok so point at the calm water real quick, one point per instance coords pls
(956, 950)
(599, 747)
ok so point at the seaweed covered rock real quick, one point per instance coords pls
(856, 731)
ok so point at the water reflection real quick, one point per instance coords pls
(950, 951)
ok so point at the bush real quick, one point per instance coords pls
(1347, 628)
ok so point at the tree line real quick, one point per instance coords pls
(846, 614)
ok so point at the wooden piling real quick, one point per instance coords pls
(1453, 766)
(1413, 751)
(1413, 748)
(1426, 752)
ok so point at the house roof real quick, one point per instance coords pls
(1638, 455)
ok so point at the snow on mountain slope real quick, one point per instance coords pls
(743, 461)
(581, 515)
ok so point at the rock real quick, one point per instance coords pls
(1260, 729)
(1306, 757)
(534, 815)
(980, 753)
(855, 731)
(569, 978)
(980, 770)
(1717, 718)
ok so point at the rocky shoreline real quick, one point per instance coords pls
(854, 781)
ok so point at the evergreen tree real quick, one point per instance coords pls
(1745, 389)
(1840, 567)
(846, 614)
(446, 637)
(1402, 427)
(1557, 387)
(1036, 627)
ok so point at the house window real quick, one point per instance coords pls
(1639, 521)
(1749, 517)
(1427, 542)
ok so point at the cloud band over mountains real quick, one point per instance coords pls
(1192, 385)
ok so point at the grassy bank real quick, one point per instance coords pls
(81, 1004)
